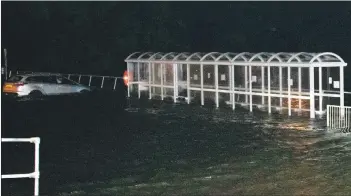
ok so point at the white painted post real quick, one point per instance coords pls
(89, 80)
(250, 83)
(162, 67)
(150, 92)
(128, 87)
(153, 76)
(342, 91)
(312, 101)
(233, 86)
(202, 83)
(10, 73)
(138, 70)
(328, 114)
(230, 68)
(69, 75)
(175, 83)
(299, 80)
(36, 167)
(269, 90)
(188, 81)
(102, 82)
(79, 78)
(320, 89)
(262, 83)
(114, 85)
(216, 85)
(289, 91)
(246, 96)
(280, 86)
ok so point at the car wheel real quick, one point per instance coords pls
(35, 94)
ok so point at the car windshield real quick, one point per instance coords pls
(15, 79)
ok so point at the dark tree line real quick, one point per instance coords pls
(95, 37)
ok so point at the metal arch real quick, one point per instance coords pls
(327, 53)
(152, 56)
(259, 56)
(277, 56)
(241, 55)
(180, 54)
(164, 56)
(296, 56)
(194, 54)
(224, 55)
(209, 54)
(132, 55)
(145, 53)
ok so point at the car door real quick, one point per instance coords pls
(68, 86)
(50, 85)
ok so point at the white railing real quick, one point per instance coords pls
(35, 174)
(338, 116)
(101, 85)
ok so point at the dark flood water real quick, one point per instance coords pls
(106, 145)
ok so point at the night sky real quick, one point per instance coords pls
(95, 37)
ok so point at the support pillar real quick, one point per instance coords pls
(269, 90)
(289, 91)
(250, 84)
(138, 70)
(150, 91)
(299, 87)
(342, 101)
(202, 83)
(312, 98)
(175, 82)
(233, 86)
(188, 81)
(162, 74)
(246, 83)
(280, 87)
(262, 83)
(320, 89)
(128, 75)
(216, 85)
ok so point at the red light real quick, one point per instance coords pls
(126, 78)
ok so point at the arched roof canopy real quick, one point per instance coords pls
(303, 58)
(146, 55)
(212, 56)
(327, 57)
(181, 56)
(262, 56)
(168, 56)
(195, 56)
(281, 57)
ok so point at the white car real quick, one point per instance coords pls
(36, 85)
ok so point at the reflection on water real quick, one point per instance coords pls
(151, 148)
(204, 151)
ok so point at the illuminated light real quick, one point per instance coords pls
(126, 78)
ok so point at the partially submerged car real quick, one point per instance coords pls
(38, 84)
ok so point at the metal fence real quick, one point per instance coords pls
(86, 79)
(35, 174)
(338, 117)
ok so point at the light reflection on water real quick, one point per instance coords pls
(205, 151)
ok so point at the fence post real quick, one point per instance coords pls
(89, 80)
(102, 82)
(36, 166)
(114, 86)
(79, 78)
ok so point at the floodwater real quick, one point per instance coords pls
(106, 145)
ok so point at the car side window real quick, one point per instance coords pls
(42, 79)
(63, 80)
